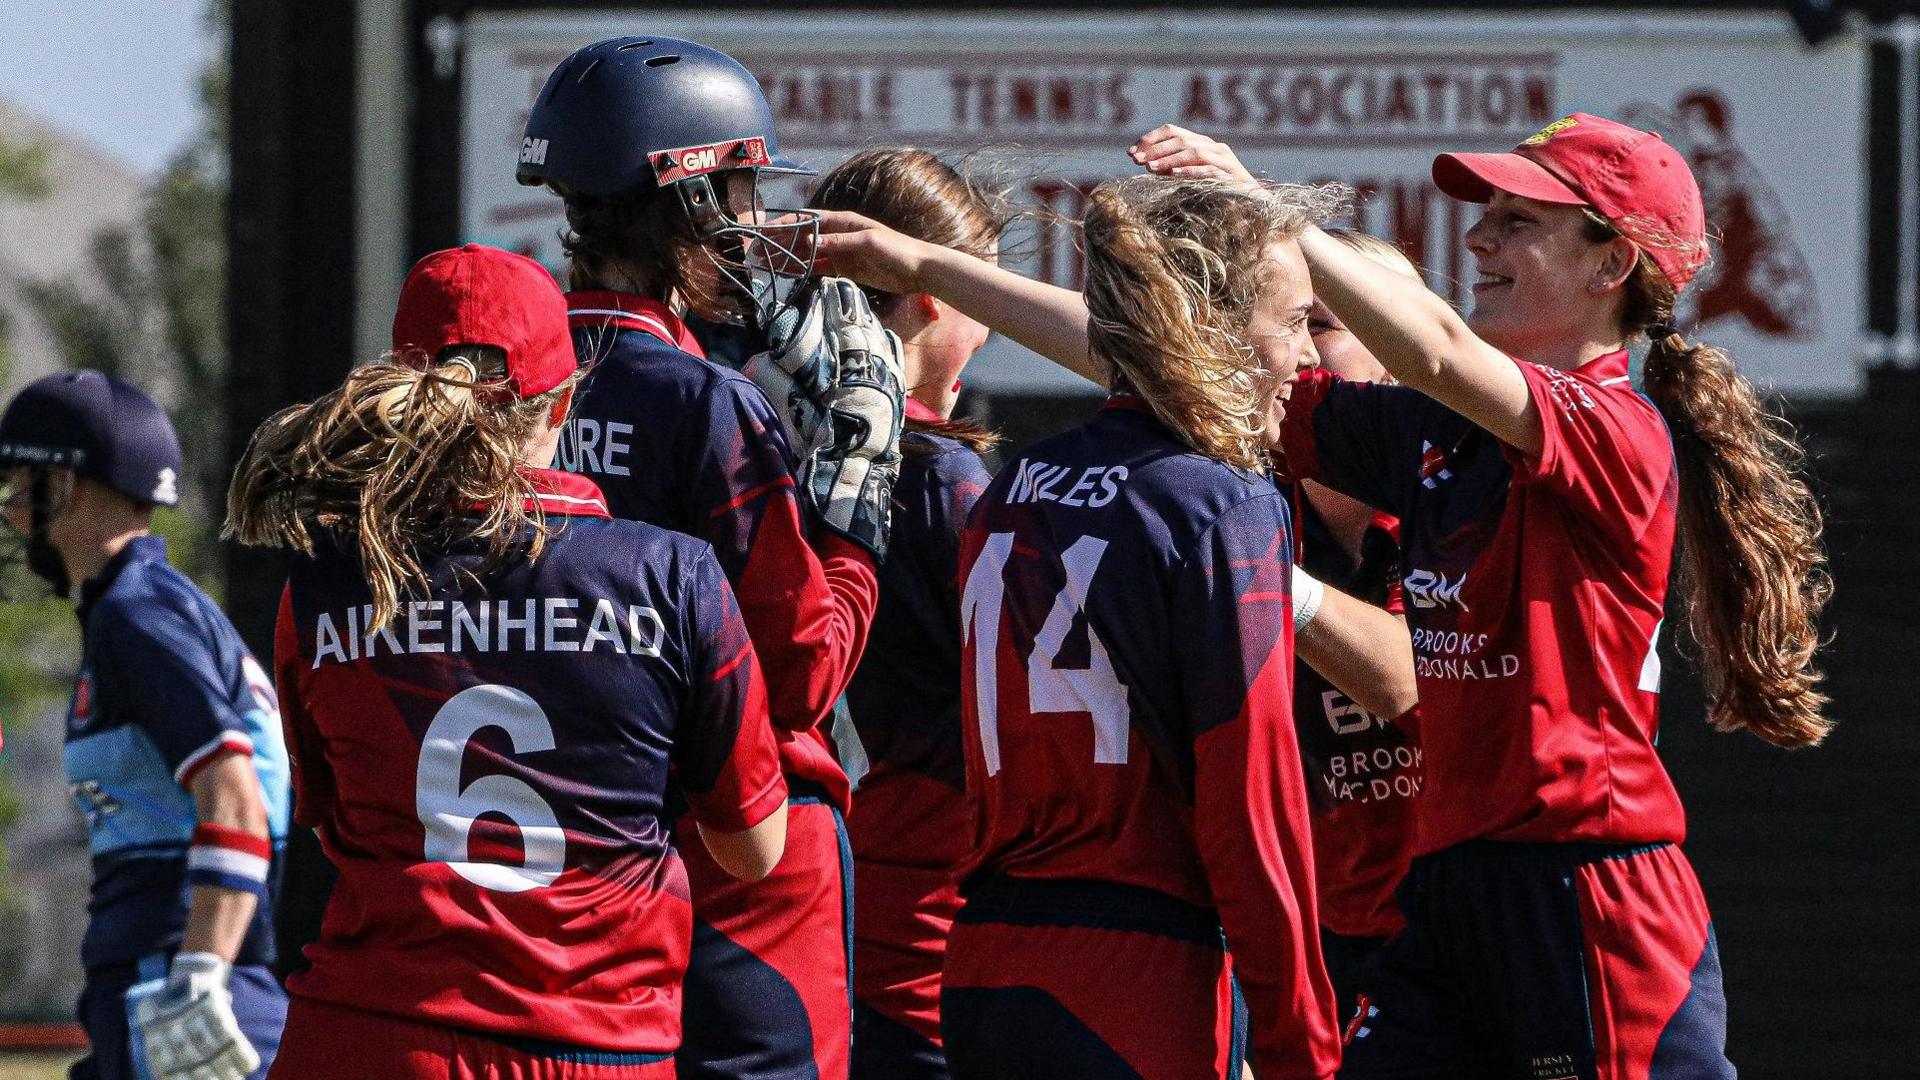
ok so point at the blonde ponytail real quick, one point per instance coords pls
(401, 459)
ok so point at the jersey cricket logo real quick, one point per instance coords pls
(1433, 466)
(1428, 589)
(1758, 274)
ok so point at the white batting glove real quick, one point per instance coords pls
(186, 1025)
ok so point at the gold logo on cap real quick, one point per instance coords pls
(1550, 131)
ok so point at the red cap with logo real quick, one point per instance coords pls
(1641, 185)
(478, 295)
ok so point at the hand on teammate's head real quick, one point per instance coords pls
(1171, 150)
(865, 251)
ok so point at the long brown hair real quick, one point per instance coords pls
(1173, 270)
(644, 243)
(1752, 575)
(402, 458)
(916, 193)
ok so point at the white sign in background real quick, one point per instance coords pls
(1773, 131)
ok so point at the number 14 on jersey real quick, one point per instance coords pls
(1094, 689)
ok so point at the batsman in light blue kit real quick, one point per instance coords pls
(173, 745)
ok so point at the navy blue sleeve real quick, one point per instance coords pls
(1361, 439)
(158, 660)
(742, 469)
(1233, 617)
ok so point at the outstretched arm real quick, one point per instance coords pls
(1423, 342)
(1364, 651)
(1050, 320)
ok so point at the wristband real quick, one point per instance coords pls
(1307, 594)
(229, 858)
(188, 964)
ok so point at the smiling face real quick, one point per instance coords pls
(1278, 327)
(1542, 282)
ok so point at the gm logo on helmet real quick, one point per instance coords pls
(704, 159)
(533, 151)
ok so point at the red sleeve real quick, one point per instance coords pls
(313, 790)
(1396, 601)
(1250, 792)
(1604, 449)
(724, 750)
(807, 605)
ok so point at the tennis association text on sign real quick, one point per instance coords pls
(1054, 99)
(1329, 99)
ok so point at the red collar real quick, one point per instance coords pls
(1608, 370)
(595, 308)
(1125, 402)
(565, 493)
(918, 411)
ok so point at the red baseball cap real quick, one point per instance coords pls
(479, 295)
(1641, 185)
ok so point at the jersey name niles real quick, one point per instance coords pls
(497, 814)
(1533, 591)
(1127, 676)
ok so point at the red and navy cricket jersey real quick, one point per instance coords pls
(1127, 681)
(905, 697)
(489, 774)
(1534, 589)
(688, 445)
(908, 827)
(1363, 771)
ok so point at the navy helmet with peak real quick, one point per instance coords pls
(615, 116)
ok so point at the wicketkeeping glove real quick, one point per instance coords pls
(185, 1024)
(850, 477)
(800, 368)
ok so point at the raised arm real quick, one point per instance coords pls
(1045, 318)
(1423, 342)
(1418, 336)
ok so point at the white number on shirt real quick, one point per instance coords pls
(448, 811)
(1094, 689)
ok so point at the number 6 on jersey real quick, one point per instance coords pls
(1094, 689)
(448, 811)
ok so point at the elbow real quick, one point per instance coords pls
(752, 853)
(1400, 700)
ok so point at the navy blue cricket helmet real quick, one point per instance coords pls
(98, 426)
(635, 112)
